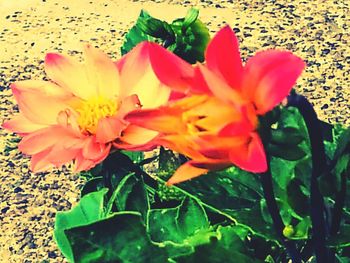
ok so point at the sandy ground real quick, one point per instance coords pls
(318, 31)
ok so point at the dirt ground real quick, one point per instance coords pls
(316, 30)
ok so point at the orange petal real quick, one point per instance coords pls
(93, 150)
(251, 157)
(35, 105)
(171, 69)
(20, 124)
(186, 172)
(108, 129)
(70, 75)
(136, 135)
(222, 56)
(102, 73)
(269, 77)
(163, 120)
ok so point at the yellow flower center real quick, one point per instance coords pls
(94, 109)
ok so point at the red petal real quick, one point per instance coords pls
(170, 69)
(222, 56)
(269, 76)
(250, 157)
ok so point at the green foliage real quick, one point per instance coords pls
(186, 37)
(90, 209)
(119, 238)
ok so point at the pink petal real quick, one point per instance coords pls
(220, 88)
(108, 129)
(93, 150)
(21, 125)
(40, 163)
(251, 157)
(83, 164)
(60, 155)
(269, 77)
(222, 56)
(138, 77)
(43, 139)
(102, 72)
(38, 107)
(70, 75)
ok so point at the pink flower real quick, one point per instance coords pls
(79, 114)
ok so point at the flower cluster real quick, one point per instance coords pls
(208, 112)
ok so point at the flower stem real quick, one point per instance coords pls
(266, 181)
(318, 167)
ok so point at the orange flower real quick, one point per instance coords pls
(216, 124)
(78, 115)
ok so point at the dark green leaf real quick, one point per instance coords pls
(135, 35)
(93, 185)
(89, 209)
(342, 239)
(190, 18)
(120, 238)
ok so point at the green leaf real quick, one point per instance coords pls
(93, 185)
(130, 195)
(342, 239)
(226, 245)
(191, 217)
(135, 35)
(88, 210)
(155, 28)
(297, 199)
(177, 224)
(190, 18)
(120, 238)
(287, 152)
(137, 157)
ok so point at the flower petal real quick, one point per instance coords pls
(137, 77)
(269, 76)
(170, 69)
(186, 172)
(102, 73)
(220, 88)
(21, 125)
(93, 150)
(164, 119)
(136, 135)
(108, 129)
(222, 56)
(40, 163)
(251, 157)
(37, 106)
(43, 139)
(70, 75)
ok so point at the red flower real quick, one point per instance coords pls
(216, 124)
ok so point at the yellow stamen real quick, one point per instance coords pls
(94, 109)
